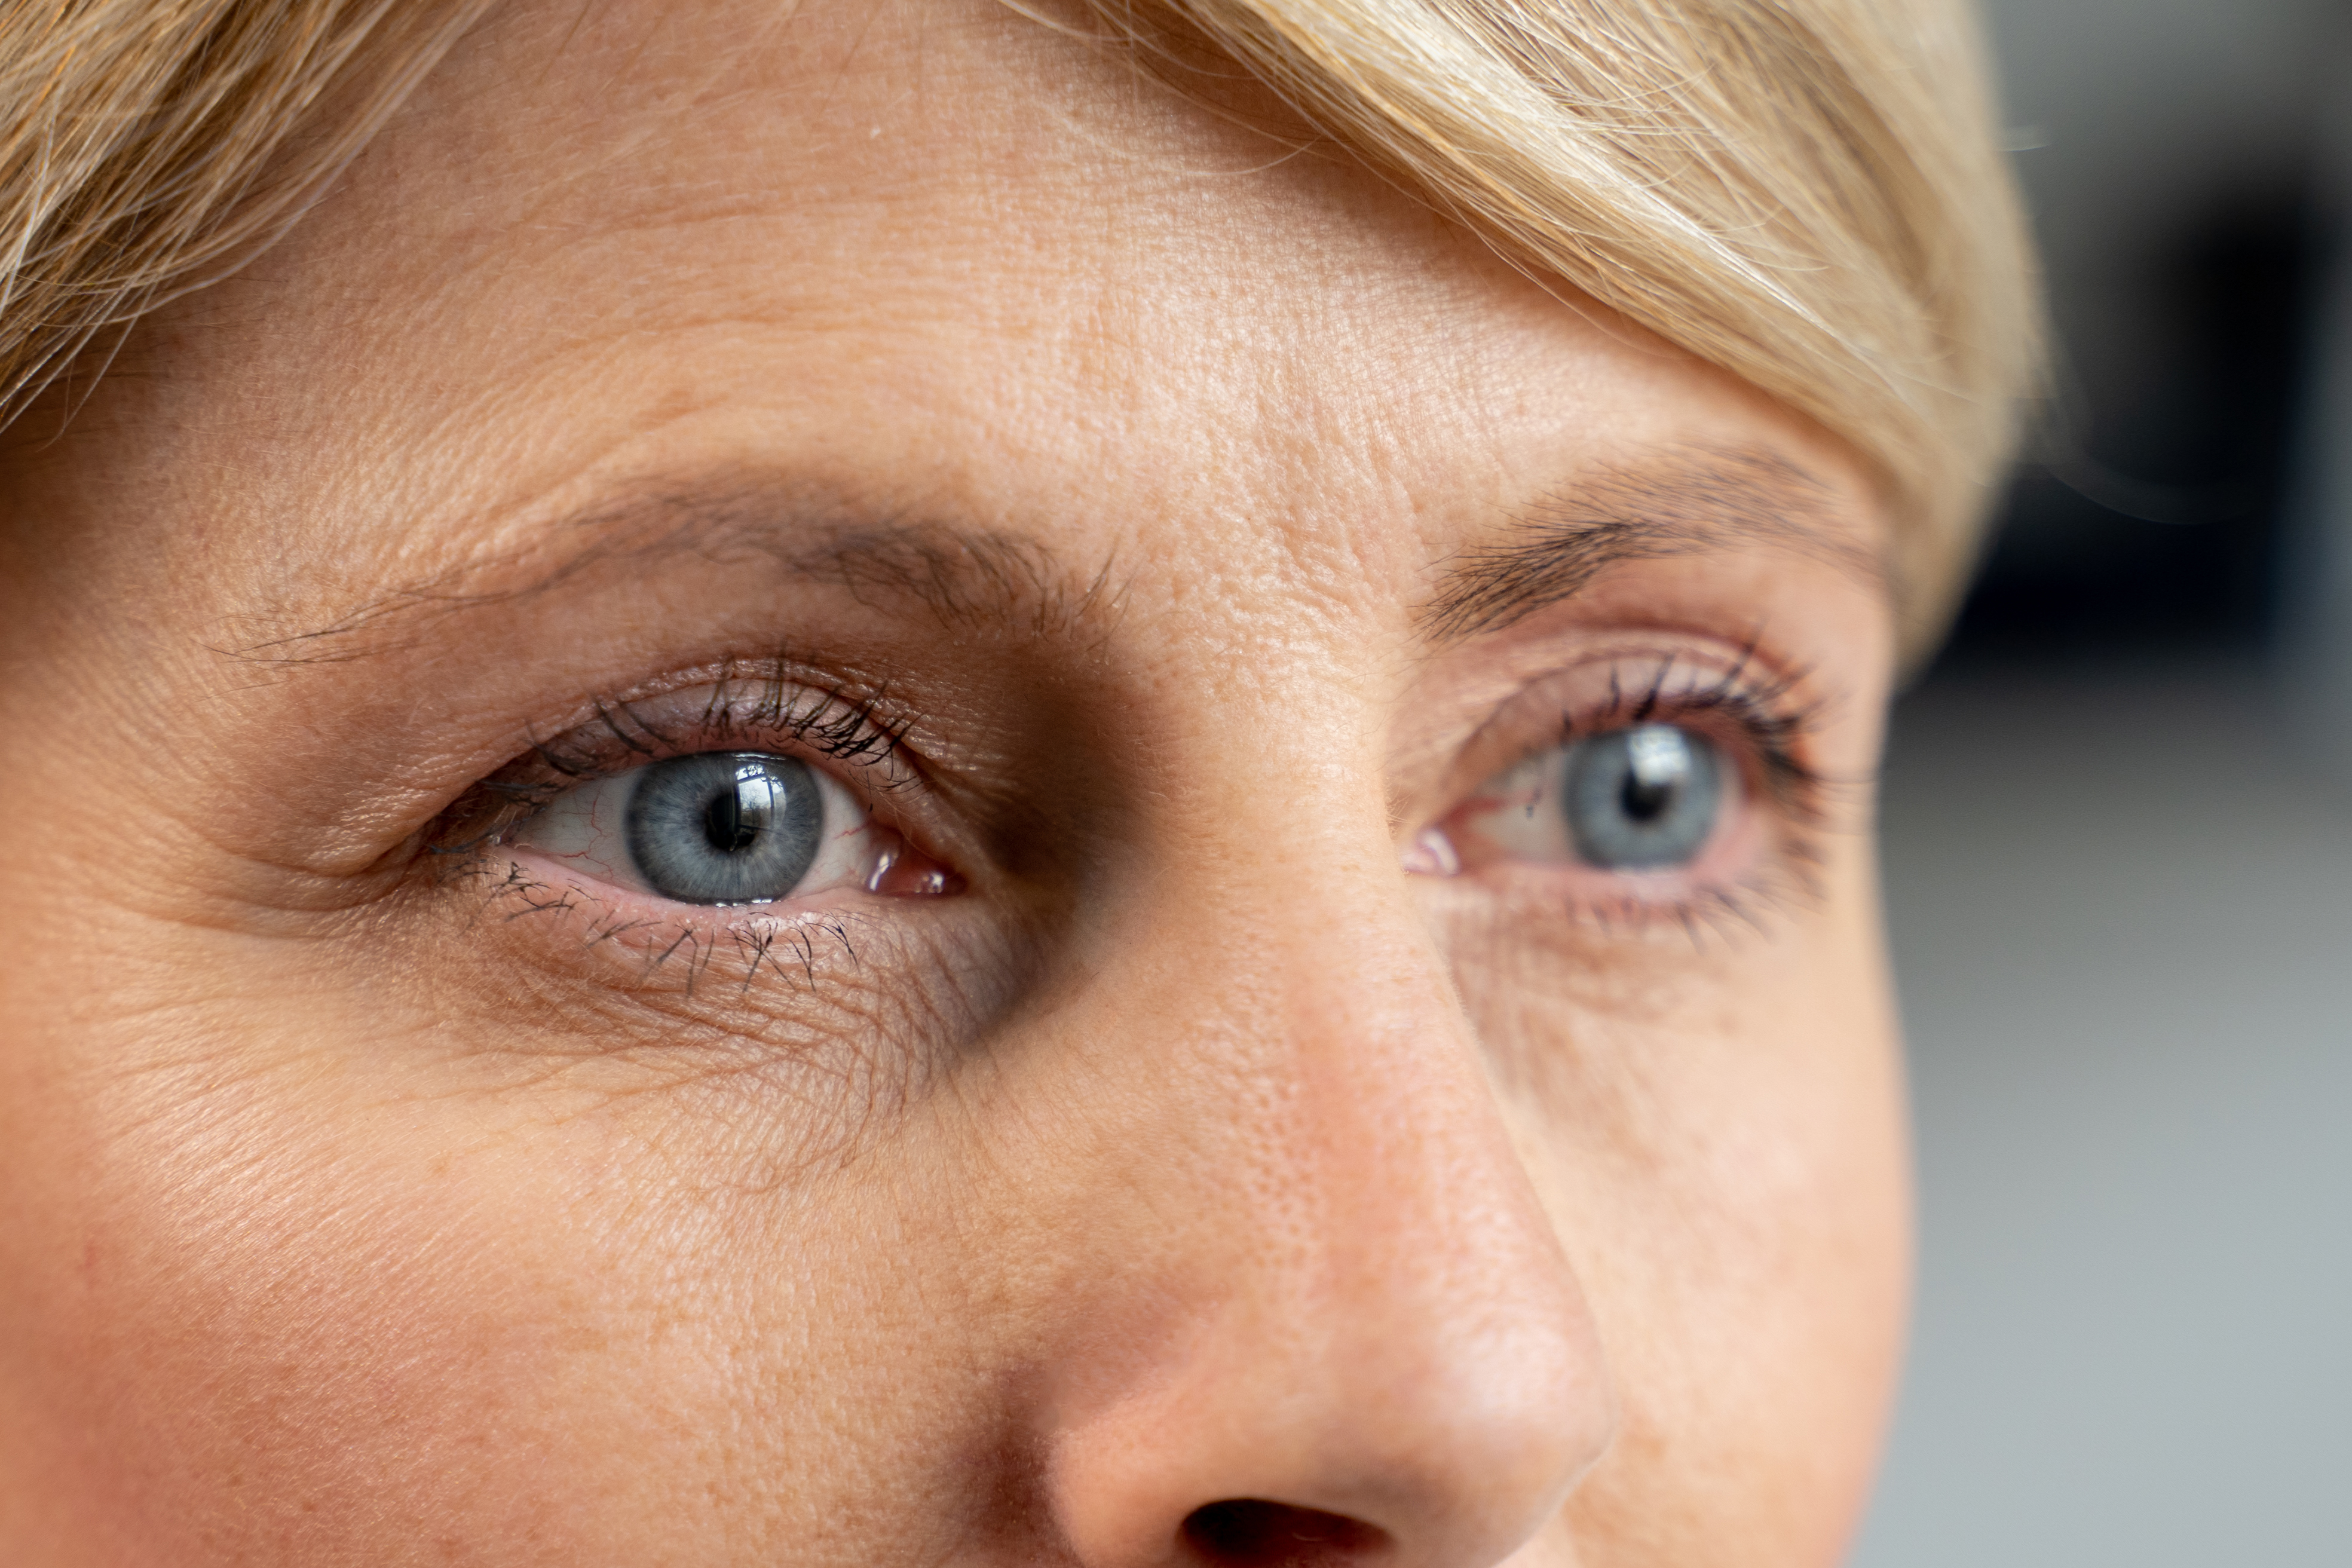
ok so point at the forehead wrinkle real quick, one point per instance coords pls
(962, 576)
(1700, 503)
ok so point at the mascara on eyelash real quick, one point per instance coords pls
(745, 705)
(1773, 729)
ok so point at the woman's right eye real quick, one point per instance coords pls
(716, 828)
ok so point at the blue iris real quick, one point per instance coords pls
(724, 827)
(1644, 799)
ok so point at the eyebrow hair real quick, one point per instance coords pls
(1700, 501)
(1704, 500)
(964, 575)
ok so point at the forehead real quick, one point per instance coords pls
(941, 251)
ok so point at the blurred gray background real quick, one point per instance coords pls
(2118, 825)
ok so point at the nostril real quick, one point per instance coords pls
(1246, 1532)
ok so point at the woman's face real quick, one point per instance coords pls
(833, 790)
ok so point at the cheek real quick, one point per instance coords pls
(290, 1319)
(1726, 1162)
(316, 1332)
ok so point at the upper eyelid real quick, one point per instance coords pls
(845, 730)
(1641, 686)
(1748, 683)
(1779, 736)
(1771, 711)
(780, 714)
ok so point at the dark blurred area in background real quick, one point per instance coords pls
(2177, 155)
(2151, 512)
(2118, 830)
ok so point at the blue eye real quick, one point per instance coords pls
(724, 827)
(1651, 797)
(714, 827)
(1642, 799)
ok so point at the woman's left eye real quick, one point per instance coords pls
(1649, 797)
(714, 827)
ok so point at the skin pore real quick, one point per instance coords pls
(1165, 533)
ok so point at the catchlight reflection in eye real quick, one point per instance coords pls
(1647, 798)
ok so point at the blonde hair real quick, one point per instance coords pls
(156, 145)
(1805, 192)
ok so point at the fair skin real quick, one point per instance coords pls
(1168, 534)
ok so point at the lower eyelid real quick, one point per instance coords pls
(1739, 879)
(829, 988)
(618, 900)
(639, 944)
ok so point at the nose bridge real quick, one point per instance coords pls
(1380, 1323)
(1380, 1131)
(1369, 1117)
(1437, 1282)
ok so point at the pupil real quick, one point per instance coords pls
(1642, 799)
(735, 815)
(1645, 800)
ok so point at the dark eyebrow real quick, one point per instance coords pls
(1698, 502)
(964, 575)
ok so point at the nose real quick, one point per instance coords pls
(1357, 1338)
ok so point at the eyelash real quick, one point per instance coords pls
(1768, 731)
(1772, 727)
(790, 714)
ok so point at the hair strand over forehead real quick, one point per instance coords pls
(151, 146)
(1806, 193)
